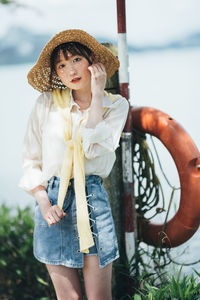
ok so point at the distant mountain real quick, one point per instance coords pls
(190, 41)
(20, 45)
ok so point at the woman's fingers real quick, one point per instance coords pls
(54, 215)
(50, 220)
(92, 71)
(101, 67)
(97, 68)
(98, 77)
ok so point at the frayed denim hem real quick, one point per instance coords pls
(75, 266)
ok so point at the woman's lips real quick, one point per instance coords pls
(76, 79)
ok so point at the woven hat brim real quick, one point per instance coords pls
(39, 75)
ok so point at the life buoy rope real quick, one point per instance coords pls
(187, 159)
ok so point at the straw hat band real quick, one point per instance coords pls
(39, 75)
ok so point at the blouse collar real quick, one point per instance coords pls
(106, 102)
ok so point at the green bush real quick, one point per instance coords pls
(174, 288)
(22, 277)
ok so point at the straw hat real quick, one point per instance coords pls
(39, 75)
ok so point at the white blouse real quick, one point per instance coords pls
(44, 144)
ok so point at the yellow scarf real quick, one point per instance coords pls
(73, 163)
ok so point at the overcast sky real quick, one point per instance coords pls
(147, 20)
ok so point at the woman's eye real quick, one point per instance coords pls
(61, 66)
(76, 59)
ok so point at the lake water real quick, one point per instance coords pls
(168, 81)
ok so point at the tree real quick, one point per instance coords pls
(9, 2)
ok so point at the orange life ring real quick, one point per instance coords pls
(187, 159)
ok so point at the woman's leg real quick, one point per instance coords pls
(66, 282)
(97, 281)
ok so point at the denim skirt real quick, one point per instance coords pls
(59, 244)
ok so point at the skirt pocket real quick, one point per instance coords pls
(39, 220)
(47, 242)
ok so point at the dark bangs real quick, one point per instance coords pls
(74, 48)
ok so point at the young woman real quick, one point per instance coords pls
(69, 147)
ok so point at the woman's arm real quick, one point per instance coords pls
(98, 82)
(32, 147)
(101, 133)
(32, 181)
(105, 136)
(51, 214)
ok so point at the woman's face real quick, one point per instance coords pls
(73, 72)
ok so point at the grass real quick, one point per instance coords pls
(185, 287)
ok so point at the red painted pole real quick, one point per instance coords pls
(123, 57)
(126, 140)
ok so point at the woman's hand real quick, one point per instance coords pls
(98, 78)
(51, 214)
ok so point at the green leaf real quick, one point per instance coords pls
(40, 280)
(137, 297)
(196, 272)
(3, 262)
(19, 272)
(150, 296)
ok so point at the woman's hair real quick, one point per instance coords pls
(74, 48)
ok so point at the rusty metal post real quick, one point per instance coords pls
(114, 186)
(126, 141)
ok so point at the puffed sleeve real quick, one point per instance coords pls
(106, 135)
(32, 148)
